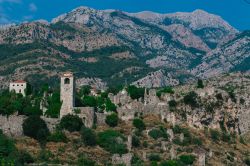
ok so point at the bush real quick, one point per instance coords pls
(83, 161)
(154, 157)
(226, 137)
(247, 161)
(58, 136)
(71, 123)
(170, 163)
(36, 128)
(112, 141)
(7, 147)
(200, 84)
(135, 93)
(112, 120)
(88, 136)
(165, 90)
(24, 158)
(187, 159)
(135, 141)
(191, 99)
(139, 124)
(172, 103)
(215, 135)
(156, 134)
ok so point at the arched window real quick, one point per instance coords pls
(66, 81)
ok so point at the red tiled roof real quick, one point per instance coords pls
(19, 81)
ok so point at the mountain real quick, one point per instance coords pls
(112, 46)
(197, 29)
(231, 56)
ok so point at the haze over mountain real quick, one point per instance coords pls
(113, 45)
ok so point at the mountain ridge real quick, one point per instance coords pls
(85, 40)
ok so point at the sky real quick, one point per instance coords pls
(236, 12)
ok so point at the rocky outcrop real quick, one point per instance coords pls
(156, 79)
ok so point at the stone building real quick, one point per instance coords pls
(87, 114)
(18, 86)
(67, 94)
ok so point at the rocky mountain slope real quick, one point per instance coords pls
(88, 42)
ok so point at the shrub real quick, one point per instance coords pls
(172, 103)
(154, 157)
(169, 163)
(135, 93)
(24, 158)
(226, 137)
(139, 124)
(7, 146)
(191, 99)
(88, 136)
(135, 141)
(215, 135)
(156, 134)
(112, 120)
(71, 123)
(85, 161)
(58, 136)
(165, 90)
(89, 101)
(187, 159)
(112, 141)
(247, 161)
(110, 106)
(200, 84)
(36, 128)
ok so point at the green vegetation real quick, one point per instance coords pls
(71, 123)
(215, 134)
(187, 159)
(154, 157)
(57, 136)
(200, 84)
(165, 90)
(135, 93)
(36, 128)
(158, 133)
(54, 105)
(191, 99)
(139, 124)
(112, 141)
(112, 120)
(88, 136)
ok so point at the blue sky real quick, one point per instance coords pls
(236, 12)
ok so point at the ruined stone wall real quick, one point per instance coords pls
(87, 114)
(12, 125)
(100, 118)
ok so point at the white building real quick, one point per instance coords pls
(18, 86)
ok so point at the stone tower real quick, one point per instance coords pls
(67, 94)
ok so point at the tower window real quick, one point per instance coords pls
(66, 81)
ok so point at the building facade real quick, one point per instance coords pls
(67, 94)
(18, 86)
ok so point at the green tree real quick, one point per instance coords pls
(200, 84)
(187, 159)
(112, 141)
(191, 99)
(139, 124)
(55, 104)
(135, 93)
(112, 120)
(88, 136)
(71, 123)
(36, 128)
(110, 106)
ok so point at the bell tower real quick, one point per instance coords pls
(67, 95)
